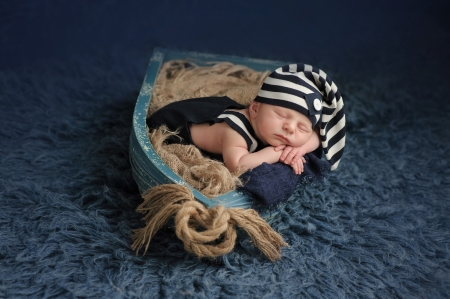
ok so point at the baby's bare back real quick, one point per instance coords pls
(209, 137)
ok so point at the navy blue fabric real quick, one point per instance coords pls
(70, 74)
(271, 185)
(179, 115)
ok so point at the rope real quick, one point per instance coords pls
(204, 232)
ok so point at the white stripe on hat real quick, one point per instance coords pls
(333, 131)
(335, 165)
(283, 97)
(307, 68)
(336, 105)
(322, 74)
(299, 75)
(336, 148)
(317, 116)
(334, 87)
(288, 84)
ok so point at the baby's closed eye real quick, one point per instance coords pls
(303, 128)
(280, 114)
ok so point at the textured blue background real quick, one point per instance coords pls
(70, 72)
(345, 31)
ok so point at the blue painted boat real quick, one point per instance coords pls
(147, 167)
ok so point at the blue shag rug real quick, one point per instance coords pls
(378, 227)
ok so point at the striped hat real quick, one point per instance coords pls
(311, 92)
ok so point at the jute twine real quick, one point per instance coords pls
(208, 176)
(204, 232)
(181, 79)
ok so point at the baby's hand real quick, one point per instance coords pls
(298, 166)
(292, 156)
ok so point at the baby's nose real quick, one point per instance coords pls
(289, 126)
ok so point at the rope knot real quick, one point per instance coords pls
(204, 232)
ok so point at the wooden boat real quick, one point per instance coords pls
(147, 167)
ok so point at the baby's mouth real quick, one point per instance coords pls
(281, 137)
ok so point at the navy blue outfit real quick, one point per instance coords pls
(179, 115)
(269, 184)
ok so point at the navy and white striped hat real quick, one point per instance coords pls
(310, 91)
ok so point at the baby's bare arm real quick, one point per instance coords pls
(238, 157)
(235, 154)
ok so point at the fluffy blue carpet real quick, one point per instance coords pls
(378, 227)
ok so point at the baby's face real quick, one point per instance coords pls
(275, 125)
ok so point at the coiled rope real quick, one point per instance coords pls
(204, 232)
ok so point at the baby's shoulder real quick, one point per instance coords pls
(231, 137)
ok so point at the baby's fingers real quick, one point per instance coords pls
(298, 167)
(295, 168)
(280, 147)
(295, 158)
(285, 153)
(301, 166)
(289, 158)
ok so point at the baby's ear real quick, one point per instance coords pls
(253, 108)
